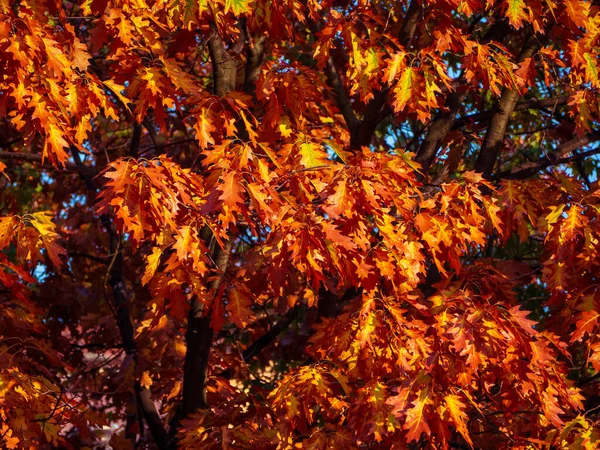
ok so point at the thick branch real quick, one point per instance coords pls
(199, 334)
(494, 137)
(98, 259)
(335, 82)
(224, 65)
(531, 168)
(34, 157)
(445, 119)
(134, 147)
(254, 59)
(527, 104)
(265, 340)
(440, 127)
(123, 318)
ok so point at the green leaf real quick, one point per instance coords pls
(237, 6)
(515, 12)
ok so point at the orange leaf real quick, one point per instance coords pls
(586, 324)
(239, 306)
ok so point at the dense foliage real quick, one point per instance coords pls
(273, 224)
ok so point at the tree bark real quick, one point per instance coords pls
(446, 120)
(440, 127)
(142, 396)
(199, 334)
(377, 109)
(494, 137)
(529, 169)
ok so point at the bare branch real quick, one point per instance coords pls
(521, 106)
(531, 168)
(35, 157)
(123, 316)
(88, 256)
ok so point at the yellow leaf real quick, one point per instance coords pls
(146, 380)
(311, 155)
(83, 127)
(55, 144)
(403, 91)
(116, 89)
(456, 408)
(43, 224)
(204, 128)
(153, 260)
(394, 65)
(284, 130)
(237, 6)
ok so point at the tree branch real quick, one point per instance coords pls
(440, 127)
(99, 259)
(265, 340)
(527, 104)
(35, 157)
(334, 81)
(134, 147)
(123, 316)
(377, 109)
(531, 168)
(445, 119)
(254, 57)
(199, 334)
(494, 137)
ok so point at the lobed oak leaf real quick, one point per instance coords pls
(515, 11)
(238, 6)
(250, 130)
(239, 307)
(368, 326)
(57, 60)
(586, 324)
(8, 228)
(551, 408)
(416, 422)
(578, 11)
(184, 242)
(404, 89)
(231, 191)
(456, 408)
(83, 128)
(42, 222)
(117, 89)
(311, 155)
(520, 317)
(394, 66)
(258, 195)
(540, 353)
(556, 274)
(11, 442)
(55, 144)
(152, 264)
(204, 128)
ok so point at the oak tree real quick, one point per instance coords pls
(273, 224)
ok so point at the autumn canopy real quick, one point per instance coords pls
(278, 224)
